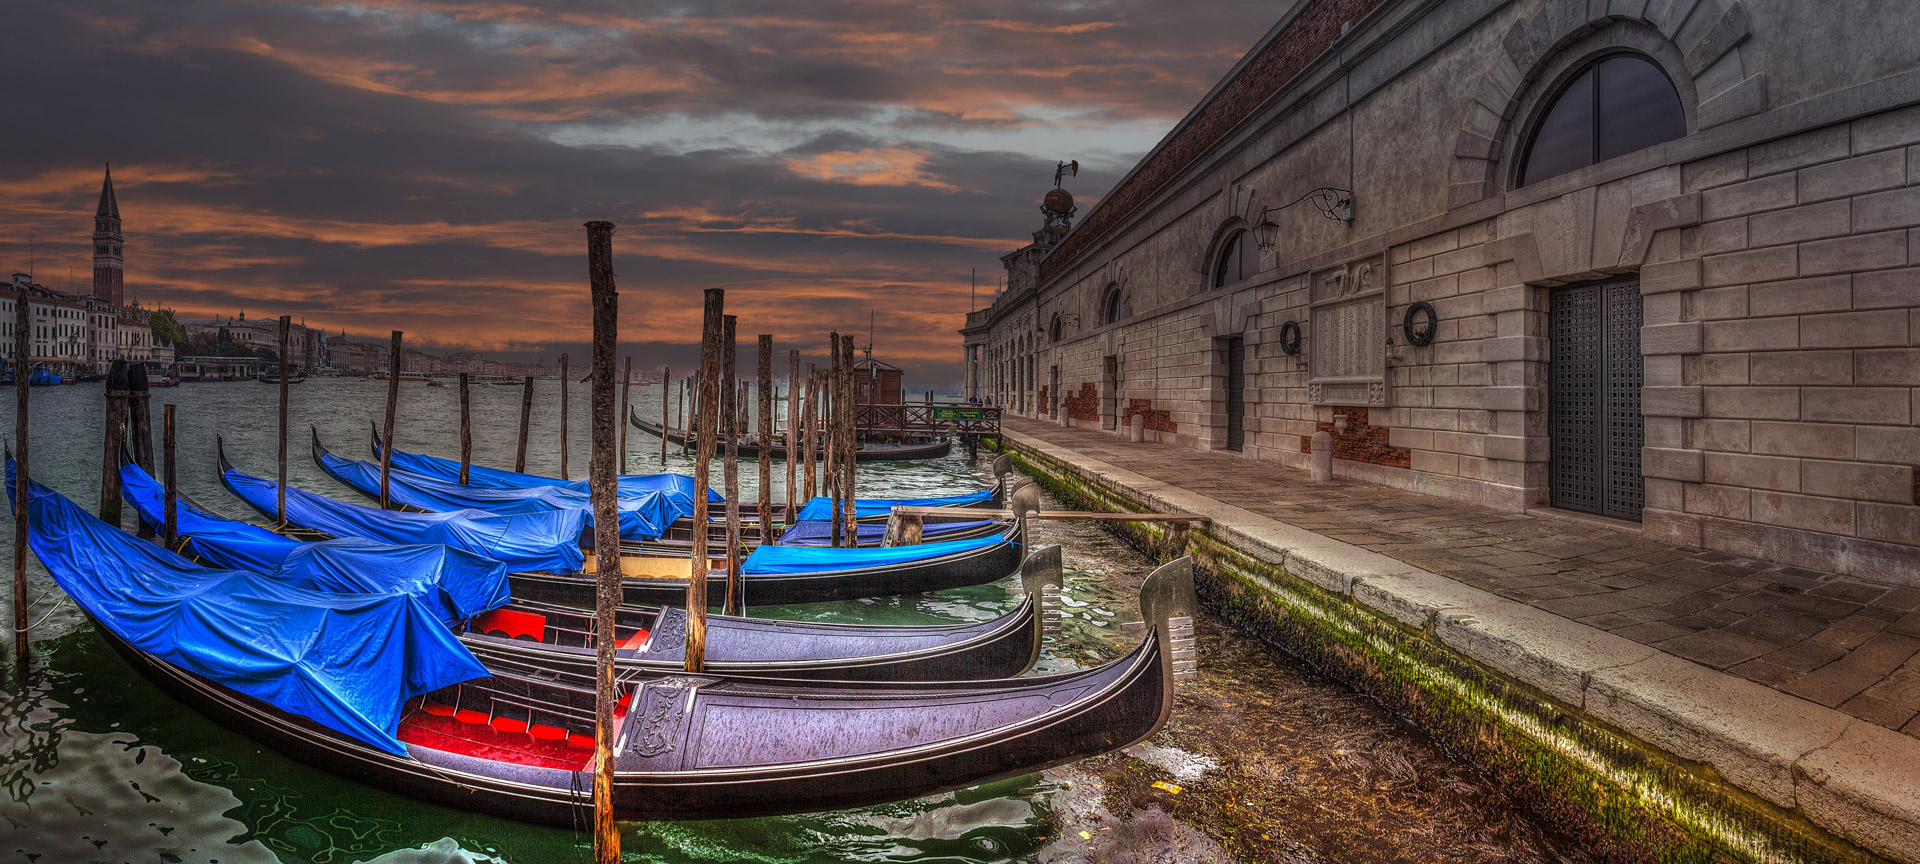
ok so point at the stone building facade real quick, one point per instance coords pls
(1516, 288)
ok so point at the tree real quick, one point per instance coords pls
(166, 328)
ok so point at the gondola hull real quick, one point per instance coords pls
(978, 566)
(695, 763)
(866, 453)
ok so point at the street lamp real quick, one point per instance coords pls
(1335, 204)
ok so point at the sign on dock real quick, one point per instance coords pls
(965, 414)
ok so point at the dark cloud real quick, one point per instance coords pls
(427, 165)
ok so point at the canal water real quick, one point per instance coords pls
(1263, 762)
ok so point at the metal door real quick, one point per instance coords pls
(1236, 388)
(1593, 411)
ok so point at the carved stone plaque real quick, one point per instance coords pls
(1347, 360)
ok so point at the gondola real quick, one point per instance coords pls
(770, 576)
(543, 638)
(483, 477)
(425, 719)
(655, 514)
(274, 378)
(871, 452)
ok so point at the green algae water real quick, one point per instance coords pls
(99, 766)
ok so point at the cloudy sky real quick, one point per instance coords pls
(427, 165)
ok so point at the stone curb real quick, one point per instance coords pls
(1853, 778)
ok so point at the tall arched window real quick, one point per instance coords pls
(1115, 306)
(1615, 105)
(1054, 329)
(1239, 259)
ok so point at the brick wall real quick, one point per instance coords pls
(1084, 405)
(1156, 420)
(1361, 442)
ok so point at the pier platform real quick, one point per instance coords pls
(1749, 681)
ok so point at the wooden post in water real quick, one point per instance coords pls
(766, 437)
(115, 429)
(850, 442)
(140, 426)
(730, 386)
(564, 381)
(526, 416)
(833, 432)
(706, 409)
(811, 421)
(666, 388)
(793, 426)
(466, 429)
(686, 424)
(22, 372)
(603, 486)
(626, 385)
(170, 520)
(280, 489)
(386, 433)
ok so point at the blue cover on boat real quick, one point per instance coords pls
(678, 487)
(643, 516)
(769, 560)
(821, 508)
(820, 533)
(455, 584)
(546, 540)
(346, 661)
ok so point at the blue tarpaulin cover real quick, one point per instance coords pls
(643, 516)
(546, 540)
(769, 560)
(821, 508)
(677, 487)
(347, 661)
(455, 584)
(820, 533)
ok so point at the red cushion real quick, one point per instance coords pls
(508, 724)
(547, 733)
(513, 623)
(638, 639)
(474, 717)
(437, 709)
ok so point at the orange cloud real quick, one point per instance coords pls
(892, 166)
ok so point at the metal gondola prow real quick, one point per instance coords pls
(1042, 574)
(1024, 502)
(1168, 602)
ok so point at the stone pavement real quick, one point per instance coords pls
(1838, 641)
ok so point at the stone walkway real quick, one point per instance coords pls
(1838, 641)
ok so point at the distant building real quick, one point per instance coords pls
(109, 263)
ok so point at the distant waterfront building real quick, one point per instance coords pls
(1652, 263)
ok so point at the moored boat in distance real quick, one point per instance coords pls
(868, 452)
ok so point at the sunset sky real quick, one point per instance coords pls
(427, 166)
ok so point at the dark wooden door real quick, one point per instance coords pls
(1593, 410)
(1236, 393)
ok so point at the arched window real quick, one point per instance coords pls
(1115, 306)
(1239, 259)
(1053, 329)
(1615, 105)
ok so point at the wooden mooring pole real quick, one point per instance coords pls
(140, 426)
(626, 385)
(832, 415)
(115, 429)
(603, 485)
(793, 427)
(466, 429)
(386, 432)
(686, 425)
(280, 488)
(706, 410)
(849, 441)
(766, 437)
(811, 420)
(22, 372)
(666, 390)
(564, 381)
(730, 384)
(170, 520)
(526, 417)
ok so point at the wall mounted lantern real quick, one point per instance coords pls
(1335, 204)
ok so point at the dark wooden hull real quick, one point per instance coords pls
(973, 567)
(866, 453)
(741, 749)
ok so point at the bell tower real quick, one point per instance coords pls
(109, 280)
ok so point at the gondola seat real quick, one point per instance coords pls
(512, 624)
